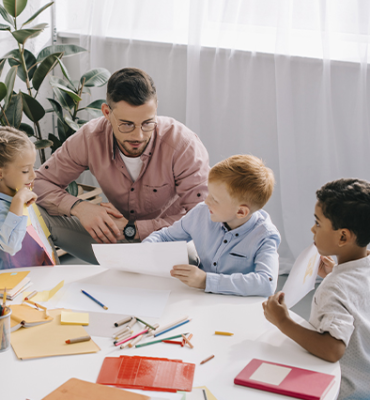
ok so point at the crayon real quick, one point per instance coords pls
(78, 340)
(207, 359)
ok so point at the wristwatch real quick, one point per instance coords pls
(130, 230)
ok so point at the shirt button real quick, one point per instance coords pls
(270, 279)
(225, 241)
(214, 263)
(155, 190)
(132, 211)
(46, 167)
(132, 189)
(198, 194)
(236, 234)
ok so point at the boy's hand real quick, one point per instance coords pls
(191, 275)
(326, 266)
(275, 309)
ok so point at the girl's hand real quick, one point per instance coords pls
(26, 196)
(326, 266)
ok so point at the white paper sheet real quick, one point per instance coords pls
(144, 258)
(302, 277)
(271, 374)
(119, 300)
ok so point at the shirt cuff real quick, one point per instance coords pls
(145, 228)
(337, 327)
(212, 281)
(13, 221)
(66, 204)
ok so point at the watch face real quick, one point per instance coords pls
(130, 231)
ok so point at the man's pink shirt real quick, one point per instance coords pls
(173, 178)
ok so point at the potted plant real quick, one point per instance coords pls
(32, 70)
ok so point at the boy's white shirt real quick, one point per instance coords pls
(341, 306)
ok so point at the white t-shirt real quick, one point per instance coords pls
(341, 306)
(133, 165)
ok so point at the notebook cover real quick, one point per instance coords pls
(30, 315)
(76, 389)
(147, 373)
(10, 280)
(299, 383)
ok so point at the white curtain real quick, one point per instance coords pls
(284, 80)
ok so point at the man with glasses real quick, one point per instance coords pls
(152, 170)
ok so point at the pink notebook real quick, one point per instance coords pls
(284, 379)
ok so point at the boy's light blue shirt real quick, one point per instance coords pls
(12, 228)
(243, 261)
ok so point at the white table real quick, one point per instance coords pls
(253, 337)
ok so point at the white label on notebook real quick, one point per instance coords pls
(271, 374)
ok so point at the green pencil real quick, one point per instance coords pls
(159, 341)
(145, 323)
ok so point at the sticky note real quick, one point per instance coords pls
(74, 318)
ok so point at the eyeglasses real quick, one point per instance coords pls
(127, 127)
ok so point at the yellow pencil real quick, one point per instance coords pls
(223, 333)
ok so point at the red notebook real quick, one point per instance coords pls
(286, 380)
(147, 373)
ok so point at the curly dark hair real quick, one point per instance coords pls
(346, 203)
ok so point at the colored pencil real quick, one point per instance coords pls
(122, 321)
(172, 342)
(145, 323)
(207, 359)
(187, 341)
(163, 328)
(137, 340)
(131, 337)
(96, 301)
(173, 327)
(33, 294)
(78, 340)
(159, 340)
(223, 333)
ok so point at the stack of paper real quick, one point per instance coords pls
(14, 282)
(147, 373)
(26, 316)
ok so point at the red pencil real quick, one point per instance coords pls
(172, 342)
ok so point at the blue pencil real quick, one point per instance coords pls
(173, 327)
(96, 301)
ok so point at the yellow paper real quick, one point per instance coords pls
(22, 312)
(209, 394)
(41, 220)
(74, 318)
(50, 340)
(45, 295)
(9, 280)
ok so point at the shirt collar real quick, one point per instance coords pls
(246, 227)
(6, 197)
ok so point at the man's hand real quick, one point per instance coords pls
(109, 207)
(96, 220)
(23, 197)
(275, 309)
(191, 275)
(326, 266)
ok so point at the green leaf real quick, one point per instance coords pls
(4, 27)
(72, 189)
(37, 13)
(94, 108)
(27, 128)
(23, 34)
(9, 83)
(56, 142)
(66, 74)
(14, 7)
(30, 61)
(14, 111)
(72, 124)
(66, 49)
(43, 144)
(62, 131)
(6, 15)
(96, 77)
(3, 90)
(32, 108)
(2, 63)
(13, 54)
(44, 68)
(65, 101)
(57, 108)
(74, 96)
(54, 80)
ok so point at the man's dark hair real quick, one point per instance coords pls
(132, 85)
(346, 203)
